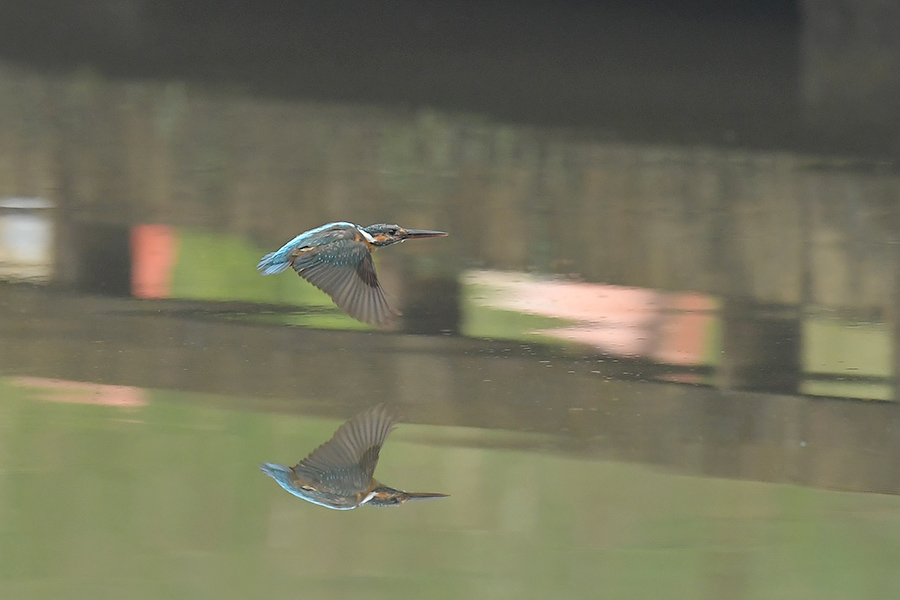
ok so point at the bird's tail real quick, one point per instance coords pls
(273, 262)
(279, 473)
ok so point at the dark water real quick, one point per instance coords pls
(639, 371)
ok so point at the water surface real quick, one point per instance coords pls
(640, 371)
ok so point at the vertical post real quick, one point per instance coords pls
(432, 304)
(761, 347)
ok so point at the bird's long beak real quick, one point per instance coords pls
(407, 496)
(422, 233)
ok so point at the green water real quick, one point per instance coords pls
(165, 500)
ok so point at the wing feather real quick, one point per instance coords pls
(346, 462)
(344, 270)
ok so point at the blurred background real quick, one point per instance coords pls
(656, 357)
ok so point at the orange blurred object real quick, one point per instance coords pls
(152, 260)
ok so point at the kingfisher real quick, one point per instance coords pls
(339, 473)
(337, 259)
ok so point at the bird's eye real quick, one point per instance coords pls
(393, 231)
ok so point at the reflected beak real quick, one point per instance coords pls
(407, 496)
(422, 233)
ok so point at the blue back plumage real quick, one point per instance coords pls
(280, 260)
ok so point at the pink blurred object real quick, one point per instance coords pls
(671, 327)
(78, 392)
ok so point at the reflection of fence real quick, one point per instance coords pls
(772, 227)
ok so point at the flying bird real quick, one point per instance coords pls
(339, 473)
(337, 259)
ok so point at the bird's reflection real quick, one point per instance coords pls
(337, 259)
(339, 473)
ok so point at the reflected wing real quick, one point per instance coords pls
(344, 270)
(345, 463)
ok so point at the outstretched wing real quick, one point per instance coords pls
(343, 269)
(345, 463)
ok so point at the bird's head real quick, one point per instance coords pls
(384, 234)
